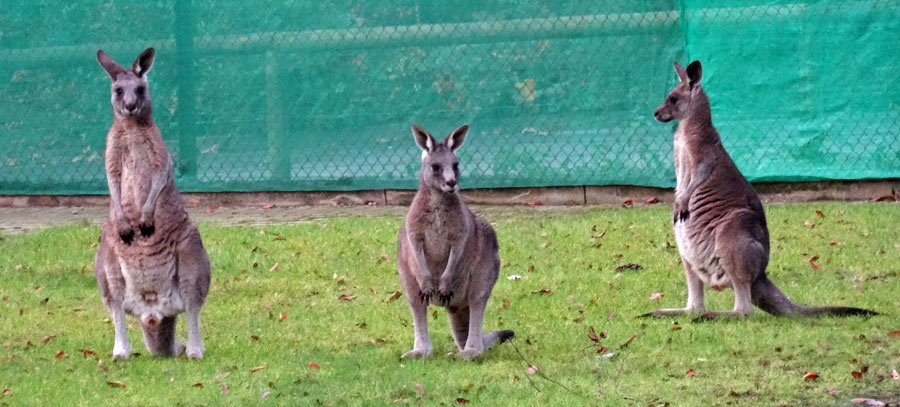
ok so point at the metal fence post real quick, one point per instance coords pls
(186, 163)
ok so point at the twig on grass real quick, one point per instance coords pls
(540, 373)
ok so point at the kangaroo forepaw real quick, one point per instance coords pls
(425, 296)
(147, 228)
(445, 297)
(126, 234)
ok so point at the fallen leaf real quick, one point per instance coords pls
(652, 200)
(394, 296)
(624, 345)
(265, 393)
(116, 384)
(258, 368)
(592, 335)
(224, 389)
(274, 267)
(61, 355)
(676, 328)
(628, 203)
(811, 376)
(531, 369)
(629, 266)
(268, 206)
(821, 215)
(832, 243)
(869, 402)
(313, 365)
(689, 373)
(102, 366)
(346, 297)
(47, 338)
(254, 337)
(6, 392)
(812, 262)
(198, 384)
(282, 316)
(535, 203)
(38, 288)
(895, 375)
(856, 374)
(86, 352)
(655, 296)
(543, 291)
(894, 334)
(461, 400)
(831, 390)
(5, 297)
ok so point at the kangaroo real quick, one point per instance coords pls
(444, 245)
(719, 223)
(151, 262)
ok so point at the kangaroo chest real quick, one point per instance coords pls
(137, 176)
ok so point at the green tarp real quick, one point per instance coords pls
(310, 95)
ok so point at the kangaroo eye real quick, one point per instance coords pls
(139, 91)
(673, 100)
(435, 167)
(456, 167)
(118, 91)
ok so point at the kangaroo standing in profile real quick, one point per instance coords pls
(719, 223)
(151, 262)
(444, 245)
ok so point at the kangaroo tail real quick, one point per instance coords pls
(766, 296)
(159, 337)
(488, 339)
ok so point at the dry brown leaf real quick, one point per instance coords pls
(268, 206)
(690, 373)
(394, 296)
(224, 389)
(652, 200)
(628, 342)
(274, 267)
(198, 384)
(821, 215)
(461, 400)
(346, 297)
(282, 316)
(543, 291)
(258, 368)
(86, 352)
(313, 365)
(811, 376)
(6, 392)
(61, 355)
(102, 366)
(116, 384)
(856, 374)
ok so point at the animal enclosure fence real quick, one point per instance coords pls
(310, 95)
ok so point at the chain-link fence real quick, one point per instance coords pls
(312, 95)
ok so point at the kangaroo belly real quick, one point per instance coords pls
(697, 248)
(151, 285)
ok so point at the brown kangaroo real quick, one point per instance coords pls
(719, 223)
(444, 245)
(162, 270)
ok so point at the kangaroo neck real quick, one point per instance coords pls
(697, 129)
(145, 120)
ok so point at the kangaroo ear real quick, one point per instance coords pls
(694, 73)
(457, 137)
(111, 67)
(423, 139)
(682, 75)
(144, 62)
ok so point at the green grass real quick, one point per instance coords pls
(51, 291)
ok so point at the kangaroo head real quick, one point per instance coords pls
(130, 96)
(440, 166)
(679, 101)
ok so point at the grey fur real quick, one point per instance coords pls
(444, 245)
(719, 222)
(162, 270)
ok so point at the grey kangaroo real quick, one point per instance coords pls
(719, 223)
(445, 254)
(151, 262)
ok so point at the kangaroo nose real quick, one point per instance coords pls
(130, 107)
(451, 183)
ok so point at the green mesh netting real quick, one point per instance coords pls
(310, 95)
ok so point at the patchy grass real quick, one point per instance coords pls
(328, 351)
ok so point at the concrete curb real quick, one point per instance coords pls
(770, 192)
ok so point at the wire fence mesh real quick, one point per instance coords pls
(308, 95)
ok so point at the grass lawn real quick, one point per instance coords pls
(277, 332)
